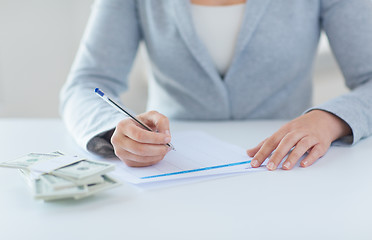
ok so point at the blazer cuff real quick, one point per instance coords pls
(101, 144)
(98, 140)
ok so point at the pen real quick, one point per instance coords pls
(122, 109)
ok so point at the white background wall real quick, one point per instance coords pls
(38, 41)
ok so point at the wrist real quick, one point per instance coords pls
(337, 127)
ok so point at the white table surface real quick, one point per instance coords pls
(330, 200)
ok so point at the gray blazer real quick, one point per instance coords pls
(270, 76)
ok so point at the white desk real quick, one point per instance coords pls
(330, 200)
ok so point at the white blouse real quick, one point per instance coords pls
(218, 28)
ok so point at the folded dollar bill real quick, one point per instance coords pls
(55, 176)
(83, 169)
(28, 160)
(44, 191)
(108, 183)
(57, 183)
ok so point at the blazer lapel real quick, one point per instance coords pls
(188, 33)
(253, 13)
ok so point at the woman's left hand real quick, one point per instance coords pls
(310, 133)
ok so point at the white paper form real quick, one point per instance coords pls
(197, 154)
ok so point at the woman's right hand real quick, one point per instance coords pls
(138, 147)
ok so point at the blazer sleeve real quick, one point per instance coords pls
(348, 25)
(104, 59)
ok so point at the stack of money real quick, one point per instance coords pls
(54, 176)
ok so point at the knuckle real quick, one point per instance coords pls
(163, 152)
(295, 155)
(137, 135)
(322, 151)
(314, 138)
(286, 126)
(318, 151)
(292, 135)
(271, 142)
(130, 130)
(323, 148)
(113, 140)
(261, 143)
(306, 141)
(153, 112)
(163, 120)
(295, 125)
(154, 160)
(276, 156)
(117, 153)
(260, 156)
(291, 127)
(159, 152)
(298, 135)
(122, 124)
(120, 154)
(140, 149)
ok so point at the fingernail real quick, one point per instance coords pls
(167, 139)
(271, 166)
(254, 163)
(287, 165)
(304, 163)
(167, 132)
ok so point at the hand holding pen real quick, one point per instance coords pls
(142, 140)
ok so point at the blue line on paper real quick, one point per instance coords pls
(196, 170)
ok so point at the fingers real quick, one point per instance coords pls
(266, 149)
(315, 153)
(251, 152)
(312, 132)
(138, 134)
(157, 121)
(139, 147)
(134, 160)
(137, 154)
(143, 149)
(301, 148)
(285, 145)
(121, 140)
(300, 144)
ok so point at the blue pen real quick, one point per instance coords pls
(122, 109)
